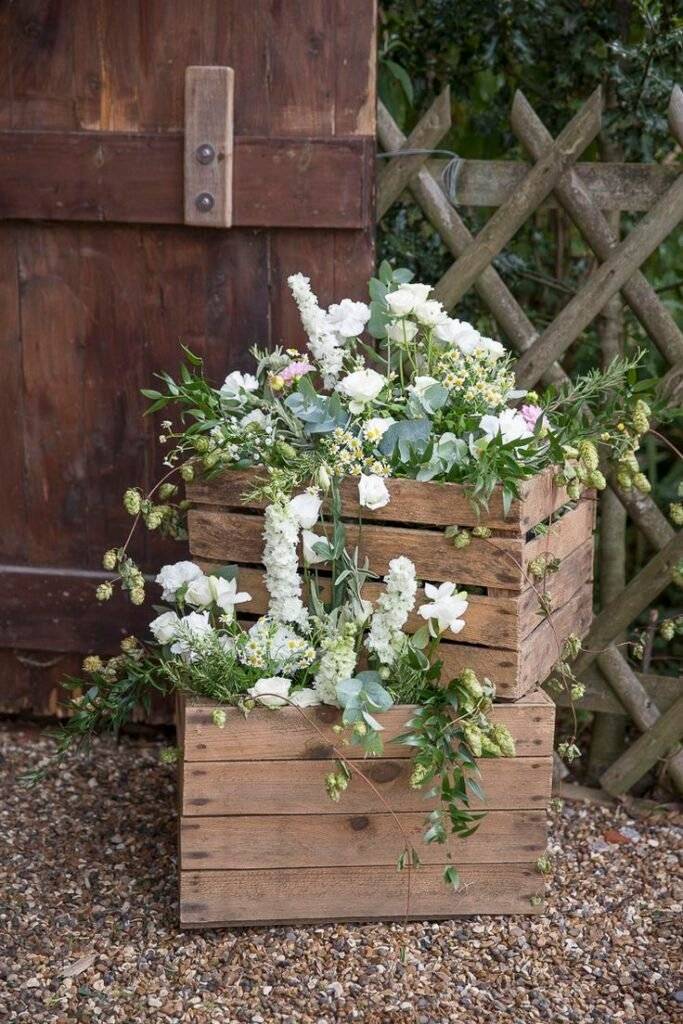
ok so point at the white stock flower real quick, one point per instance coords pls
(430, 313)
(270, 691)
(309, 540)
(510, 424)
(394, 606)
(348, 318)
(362, 387)
(338, 662)
(306, 508)
(402, 330)
(446, 606)
(281, 536)
(323, 341)
(165, 627)
(305, 698)
(236, 382)
(406, 298)
(206, 590)
(172, 577)
(376, 427)
(372, 491)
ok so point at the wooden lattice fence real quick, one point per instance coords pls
(590, 194)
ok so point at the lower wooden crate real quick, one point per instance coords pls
(260, 841)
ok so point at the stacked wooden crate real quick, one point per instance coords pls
(260, 840)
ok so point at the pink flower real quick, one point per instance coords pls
(530, 414)
(295, 370)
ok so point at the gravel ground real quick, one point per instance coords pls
(88, 923)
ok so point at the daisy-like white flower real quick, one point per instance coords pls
(445, 607)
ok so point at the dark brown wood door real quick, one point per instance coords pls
(100, 279)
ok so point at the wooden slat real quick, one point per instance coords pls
(209, 122)
(236, 537)
(575, 570)
(284, 733)
(242, 842)
(214, 898)
(565, 535)
(426, 503)
(138, 177)
(296, 787)
(611, 186)
(542, 648)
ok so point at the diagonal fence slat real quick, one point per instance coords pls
(426, 135)
(647, 750)
(603, 283)
(578, 204)
(509, 218)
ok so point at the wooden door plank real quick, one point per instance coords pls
(214, 898)
(242, 842)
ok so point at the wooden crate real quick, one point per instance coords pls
(261, 842)
(504, 637)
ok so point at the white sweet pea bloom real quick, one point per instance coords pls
(191, 628)
(306, 508)
(458, 332)
(172, 577)
(375, 428)
(446, 608)
(430, 313)
(270, 691)
(206, 590)
(402, 330)
(305, 698)
(165, 627)
(309, 540)
(362, 387)
(348, 318)
(372, 491)
(510, 424)
(236, 382)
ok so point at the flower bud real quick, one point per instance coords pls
(324, 481)
(109, 559)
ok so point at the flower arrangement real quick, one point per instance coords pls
(392, 388)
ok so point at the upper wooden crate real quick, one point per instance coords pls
(505, 637)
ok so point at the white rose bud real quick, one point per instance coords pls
(372, 491)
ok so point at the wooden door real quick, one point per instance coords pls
(100, 279)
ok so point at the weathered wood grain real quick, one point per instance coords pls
(236, 537)
(565, 535)
(575, 570)
(296, 787)
(215, 898)
(284, 733)
(653, 745)
(427, 503)
(239, 842)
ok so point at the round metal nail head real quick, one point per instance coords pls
(204, 202)
(205, 153)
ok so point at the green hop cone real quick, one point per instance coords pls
(154, 518)
(187, 472)
(201, 444)
(641, 483)
(624, 479)
(474, 739)
(93, 663)
(418, 776)
(167, 491)
(489, 747)
(574, 490)
(676, 513)
(667, 630)
(104, 591)
(132, 501)
(597, 480)
(137, 595)
(285, 451)
(588, 454)
(483, 532)
(109, 559)
(461, 539)
(641, 417)
(219, 717)
(503, 737)
(471, 684)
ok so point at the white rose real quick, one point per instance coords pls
(376, 427)
(309, 540)
(407, 297)
(306, 698)
(305, 508)
(446, 608)
(460, 333)
(372, 491)
(165, 627)
(402, 330)
(173, 577)
(348, 318)
(510, 424)
(206, 590)
(238, 381)
(270, 691)
(361, 387)
(430, 313)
